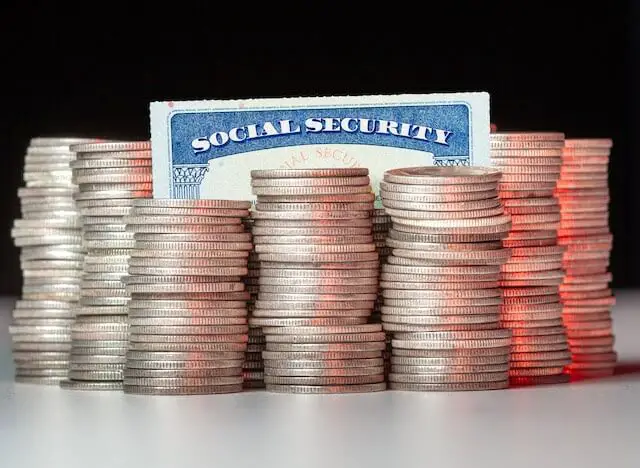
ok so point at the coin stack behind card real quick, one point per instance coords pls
(381, 225)
(583, 191)
(49, 237)
(188, 309)
(441, 282)
(530, 163)
(253, 365)
(313, 233)
(110, 175)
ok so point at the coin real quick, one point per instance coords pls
(448, 387)
(326, 389)
(181, 389)
(441, 176)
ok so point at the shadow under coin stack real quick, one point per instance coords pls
(110, 176)
(253, 365)
(583, 191)
(440, 284)
(318, 281)
(188, 310)
(49, 238)
(530, 165)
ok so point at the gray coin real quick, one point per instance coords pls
(449, 369)
(326, 347)
(112, 375)
(183, 382)
(453, 353)
(188, 346)
(322, 372)
(182, 390)
(338, 380)
(37, 380)
(188, 314)
(79, 359)
(27, 356)
(60, 373)
(322, 364)
(448, 387)
(169, 359)
(33, 365)
(310, 357)
(88, 385)
(183, 373)
(326, 389)
(310, 313)
(449, 378)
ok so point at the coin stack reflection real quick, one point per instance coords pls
(530, 163)
(583, 191)
(110, 176)
(188, 309)
(253, 365)
(49, 238)
(440, 283)
(318, 281)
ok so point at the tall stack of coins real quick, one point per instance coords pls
(48, 236)
(318, 281)
(188, 309)
(530, 163)
(381, 225)
(440, 284)
(583, 192)
(253, 365)
(110, 176)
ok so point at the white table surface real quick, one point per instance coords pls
(591, 424)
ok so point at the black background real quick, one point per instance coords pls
(93, 73)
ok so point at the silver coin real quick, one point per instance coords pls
(182, 390)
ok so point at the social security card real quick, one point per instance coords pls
(207, 149)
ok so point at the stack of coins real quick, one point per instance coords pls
(530, 163)
(381, 225)
(188, 309)
(318, 281)
(441, 282)
(110, 176)
(253, 365)
(51, 260)
(583, 192)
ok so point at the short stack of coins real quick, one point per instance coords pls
(110, 176)
(441, 282)
(188, 310)
(530, 164)
(253, 365)
(313, 233)
(49, 239)
(583, 192)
